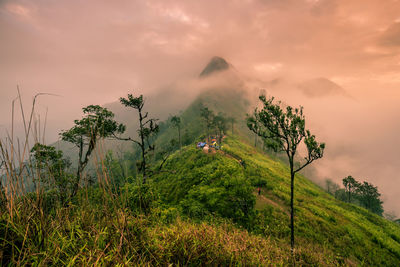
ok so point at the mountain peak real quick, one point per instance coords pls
(216, 64)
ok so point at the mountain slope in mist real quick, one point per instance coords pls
(218, 81)
(218, 78)
(320, 87)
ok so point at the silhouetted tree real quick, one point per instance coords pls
(220, 123)
(97, 123)
(148, 127)
(351, 186)
(341, 194)
(369, 197)
(208, 118)
(284, 130)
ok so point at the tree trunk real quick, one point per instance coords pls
(142, 144)
(349, 193)
(291, 207)
(79, 172)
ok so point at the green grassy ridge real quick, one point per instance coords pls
(350, 232)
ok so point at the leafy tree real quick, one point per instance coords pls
(341, 194)
(51, 167)
(369, 197)
(115, 169)
(351, 186)
(220, 123)
(208, 117)
(284, 130)
(148, 128)
(97, 123)
(176, 122)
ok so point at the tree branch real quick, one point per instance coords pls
(305, 164)
(126, 139)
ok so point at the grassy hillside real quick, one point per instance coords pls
(201, 185)
(202, 209)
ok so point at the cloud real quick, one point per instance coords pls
(391, 36)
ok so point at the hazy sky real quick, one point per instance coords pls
(92, 52)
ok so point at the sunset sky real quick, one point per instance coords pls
(92, 52)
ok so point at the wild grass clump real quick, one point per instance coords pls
(188, 244)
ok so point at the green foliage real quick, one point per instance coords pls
(157, 224)
(369, 198)
(116, 170)
(364, 194)
(284, 131)
(208, 117)
(201, 209)
(213, 185)
(97, 123)
(176, 122)
(51, 170)
(350, 185)
(352, 233)
(140, 198)
(148, 129)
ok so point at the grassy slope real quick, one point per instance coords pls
(350, 233)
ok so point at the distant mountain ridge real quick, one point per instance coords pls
(321, 87)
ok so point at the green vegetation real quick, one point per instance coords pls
(284, 131)
(97, 123)
(148, 128)
(198, 209)
(362, 194)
